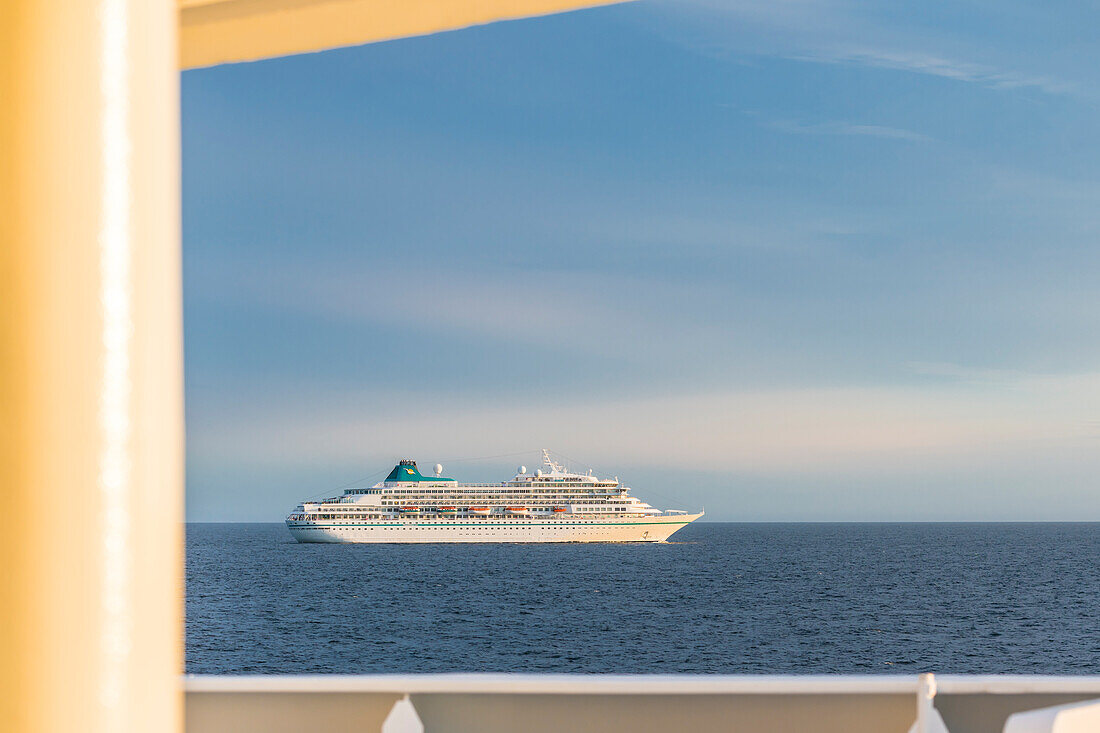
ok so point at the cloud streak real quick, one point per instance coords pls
(815, 431)
(847, 129)
(548, 310)
(829, 32)
(932, 65)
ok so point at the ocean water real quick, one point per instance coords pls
(721, 598)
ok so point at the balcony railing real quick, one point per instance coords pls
(499, 703)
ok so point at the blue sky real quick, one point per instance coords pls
(784, 260)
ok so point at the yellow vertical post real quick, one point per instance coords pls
(91, 475)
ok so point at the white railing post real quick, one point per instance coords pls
(928, 718)
(926, 693)
(403, 718)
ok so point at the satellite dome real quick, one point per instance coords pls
(521, 470)
(438, 469)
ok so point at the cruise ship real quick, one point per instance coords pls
(552, 504)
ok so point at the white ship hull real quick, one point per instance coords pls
(625, 529)
(551, 505)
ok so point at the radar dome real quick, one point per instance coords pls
(438, 469)
(522, 470)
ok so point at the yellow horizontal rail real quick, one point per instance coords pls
(221, 31)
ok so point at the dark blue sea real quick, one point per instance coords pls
(722, 598)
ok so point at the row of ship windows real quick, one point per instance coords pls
(356, 517)
(531, 507)
(516, 494)
(442, 526)
(498, 498)
(516, 490)
(492, 505)
(479, 487)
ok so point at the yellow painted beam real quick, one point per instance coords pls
(91, 471)
(220, 31)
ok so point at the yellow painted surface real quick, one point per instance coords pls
(91, 418)
(91, 478)
(656, 713)
(218, 31)
(243, 712)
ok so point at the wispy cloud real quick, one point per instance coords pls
(959, 373)
(932, 65)
(847, 129)
(515, 309)
(838, 32)
(814, 430)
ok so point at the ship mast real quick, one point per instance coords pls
(549, 463)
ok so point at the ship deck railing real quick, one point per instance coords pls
(545, 703)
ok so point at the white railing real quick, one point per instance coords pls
(495, 703)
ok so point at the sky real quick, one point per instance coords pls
(786, 261)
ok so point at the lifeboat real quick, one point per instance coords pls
(559, 509)
(480, 510)
(410, 509)
(516, 509)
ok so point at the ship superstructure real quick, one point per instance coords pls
(552, 504)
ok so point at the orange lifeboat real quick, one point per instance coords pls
(559, 509)
(480, 510)
(516, 509)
